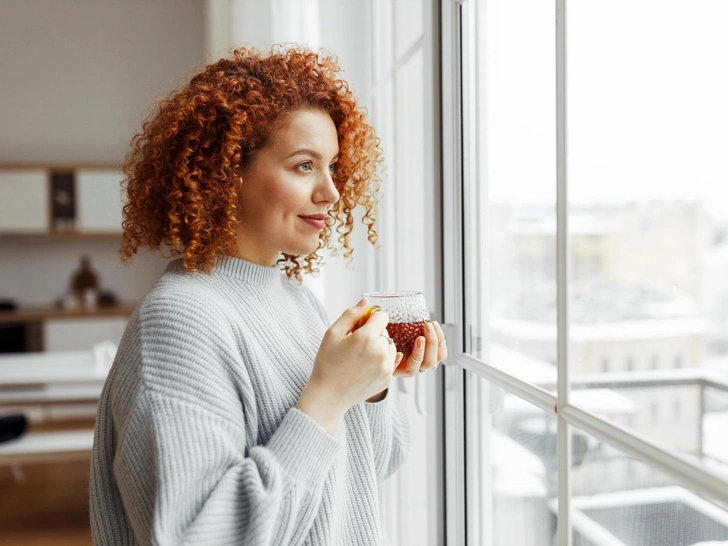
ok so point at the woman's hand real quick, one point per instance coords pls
(350, 367)
(429, 350)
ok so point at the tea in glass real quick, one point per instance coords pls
(408, 315)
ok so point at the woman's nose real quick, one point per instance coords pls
(327, 191)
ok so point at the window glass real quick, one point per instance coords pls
(617, 499)
(520, 469)
(648, 221)
(511, 198)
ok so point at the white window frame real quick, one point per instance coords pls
(466, 507)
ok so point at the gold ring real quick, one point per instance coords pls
(365, 317)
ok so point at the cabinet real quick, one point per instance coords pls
(60, 200)
(48, 329)
(24, 202)
(81, 333)
(99, 202)
(49, 216)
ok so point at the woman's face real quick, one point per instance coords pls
(288, 190)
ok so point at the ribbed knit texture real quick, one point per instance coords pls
(197, 439)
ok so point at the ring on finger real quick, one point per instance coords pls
(418, 362)
(385, 336)
(442, 343)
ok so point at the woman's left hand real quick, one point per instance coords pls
(429, 350)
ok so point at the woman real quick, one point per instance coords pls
(232, 415)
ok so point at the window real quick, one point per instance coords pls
(654, 413)
(654, 362)
(620, 260)
(678, 361)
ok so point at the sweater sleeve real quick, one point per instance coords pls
(390, 435)
(186, 470)
(388, 423)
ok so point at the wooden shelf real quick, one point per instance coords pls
(8, 235)
(58, 166)
(43, 198)
(39, 314)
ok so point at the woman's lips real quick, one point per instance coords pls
(314, 222)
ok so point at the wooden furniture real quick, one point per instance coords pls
(53, 329)
(44, 447)
(44, 386)
(39, 314)
(33, 195)
(60, 200)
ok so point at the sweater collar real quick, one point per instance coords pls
(238, 268)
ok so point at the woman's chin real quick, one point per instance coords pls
(302, 250)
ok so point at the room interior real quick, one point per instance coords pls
(581, 289)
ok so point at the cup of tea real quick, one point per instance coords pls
(408, 314)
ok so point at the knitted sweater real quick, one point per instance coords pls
(197, 438)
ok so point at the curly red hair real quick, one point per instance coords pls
(183, 172)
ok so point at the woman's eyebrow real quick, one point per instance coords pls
(308, 151)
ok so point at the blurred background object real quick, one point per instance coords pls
(85, 284)
(79, 78)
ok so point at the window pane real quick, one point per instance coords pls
(648, 221)
(617, 497)
(511, 195)
(685, 416)
(714, 421)
(520, 470)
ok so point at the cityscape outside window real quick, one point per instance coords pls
(647, 264)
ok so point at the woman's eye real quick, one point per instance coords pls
(332, 167)
(305, 167)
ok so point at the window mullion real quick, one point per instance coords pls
(562, 249)
(453, 296)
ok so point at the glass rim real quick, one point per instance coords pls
(392, 294)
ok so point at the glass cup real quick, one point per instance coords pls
(408, 314)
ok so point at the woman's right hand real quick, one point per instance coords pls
(351, 366)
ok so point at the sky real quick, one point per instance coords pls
(647, 101)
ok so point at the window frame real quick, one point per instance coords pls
(463, 394)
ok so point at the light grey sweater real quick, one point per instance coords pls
(197, 439)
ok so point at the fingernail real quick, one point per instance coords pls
(398, 359)
(430, 328)
(420, 343)
(362, 302)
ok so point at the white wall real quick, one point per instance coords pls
(78, 77)
(37, 271)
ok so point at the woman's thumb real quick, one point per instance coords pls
(348, 320)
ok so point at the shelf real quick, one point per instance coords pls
(58, 166)
(42, 199)
(10, 235)
(39, 314)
